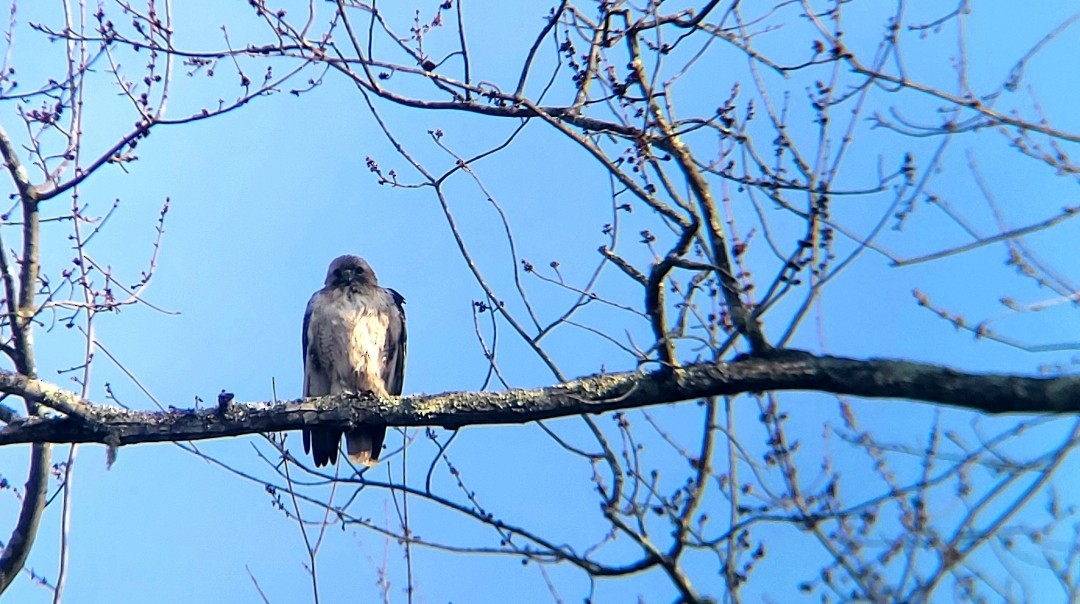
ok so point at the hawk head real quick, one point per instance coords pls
(349, 270)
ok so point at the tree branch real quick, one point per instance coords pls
(781, 370)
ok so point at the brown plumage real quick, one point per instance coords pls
(354, 341)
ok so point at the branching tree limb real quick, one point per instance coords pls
(785, 370)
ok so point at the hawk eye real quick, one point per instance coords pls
(347, 274)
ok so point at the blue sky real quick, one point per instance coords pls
(261, 199)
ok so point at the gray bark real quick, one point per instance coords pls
(778, 371)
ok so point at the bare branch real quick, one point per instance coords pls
(781, 370)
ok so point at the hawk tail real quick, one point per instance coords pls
(322, 443)
(364, 444)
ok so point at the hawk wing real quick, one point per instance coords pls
(323, 442)
(393, 373)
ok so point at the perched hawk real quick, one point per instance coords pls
(354, 341)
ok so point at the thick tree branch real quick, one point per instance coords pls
(20, 321)
(782, 370)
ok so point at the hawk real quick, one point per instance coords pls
(354, 342)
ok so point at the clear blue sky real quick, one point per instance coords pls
(263, 198)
